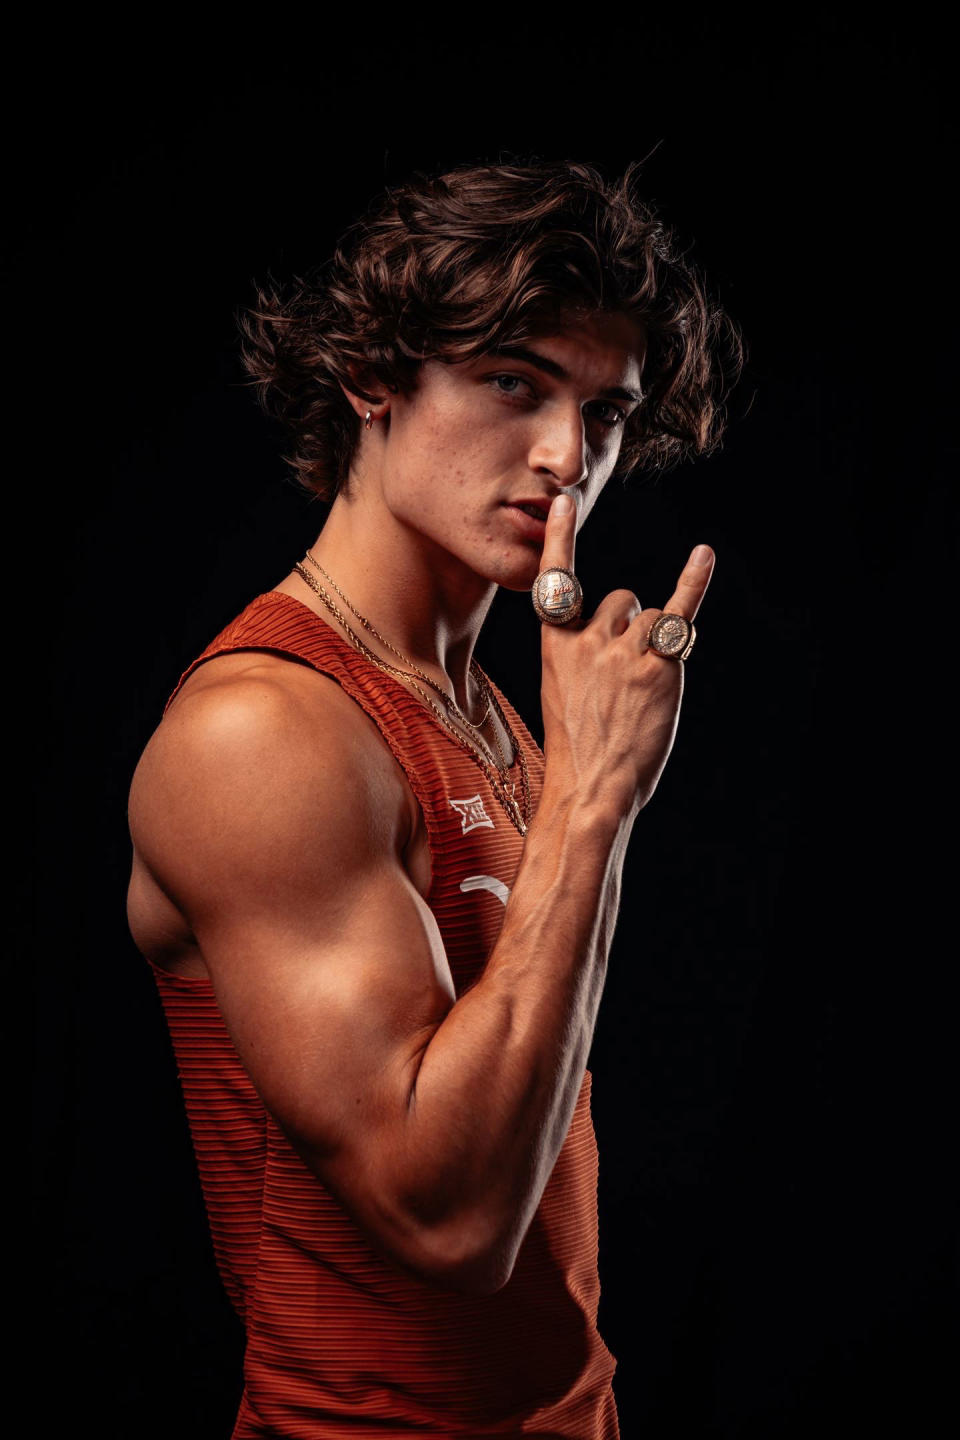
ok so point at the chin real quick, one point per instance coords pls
(518, 585)
(514, 573)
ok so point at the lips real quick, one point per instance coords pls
(529, 518)
(538, 509)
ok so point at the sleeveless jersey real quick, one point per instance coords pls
(339, 1342)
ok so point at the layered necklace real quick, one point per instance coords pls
(475, 744)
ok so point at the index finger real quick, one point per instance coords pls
(692, 585)
(561, 534)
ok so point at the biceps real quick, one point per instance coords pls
(331, 1012)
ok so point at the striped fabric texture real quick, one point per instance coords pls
(339, 1341)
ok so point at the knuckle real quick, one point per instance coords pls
(619, 603)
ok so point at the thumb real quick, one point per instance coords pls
(558, 542)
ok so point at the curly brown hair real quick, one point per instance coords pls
(447, 267)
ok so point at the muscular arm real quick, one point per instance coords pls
(273, 817)
(269, 815)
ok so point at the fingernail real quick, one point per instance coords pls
(562, 505)
(701, 556)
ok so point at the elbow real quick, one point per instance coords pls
(461, 1262)
(482, 1274)
(478, 1275)
(467, 1253)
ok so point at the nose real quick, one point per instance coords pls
(559, 448)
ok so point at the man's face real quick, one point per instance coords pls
(477, 438)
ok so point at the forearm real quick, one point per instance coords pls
(495, 1092)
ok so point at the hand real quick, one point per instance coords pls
(611, 704)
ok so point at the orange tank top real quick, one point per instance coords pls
(340, 1343)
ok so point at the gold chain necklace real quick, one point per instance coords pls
(392, 669)
(451, 704)
(447, 699)
(502, 786)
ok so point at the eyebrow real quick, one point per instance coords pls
(550, 367)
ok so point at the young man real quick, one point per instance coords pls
(378, 916)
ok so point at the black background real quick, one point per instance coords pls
(774, 1054)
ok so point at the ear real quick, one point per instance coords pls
(355, 398)
(364, 407)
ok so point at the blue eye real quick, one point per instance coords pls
(518, 379)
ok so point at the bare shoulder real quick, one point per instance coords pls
(261, 759)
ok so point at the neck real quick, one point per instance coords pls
(419, 597)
